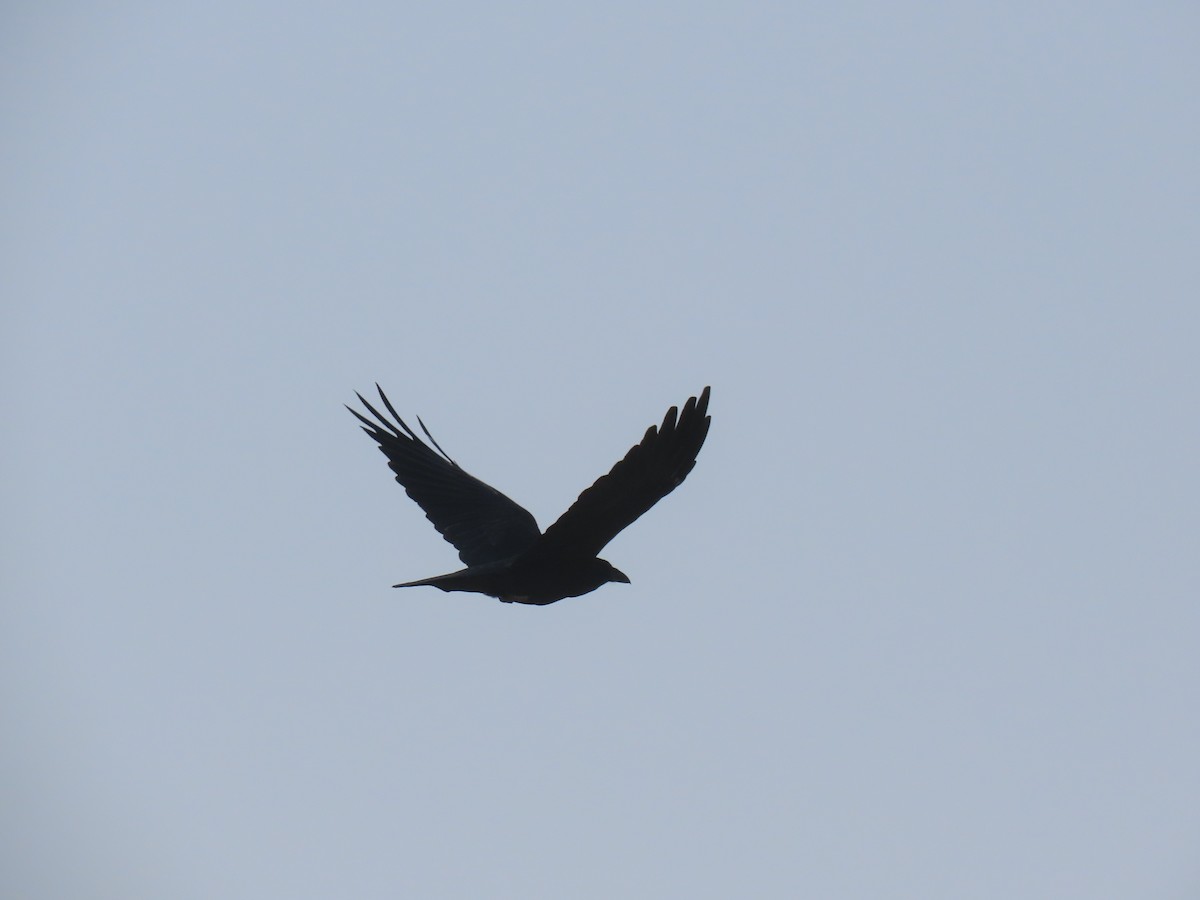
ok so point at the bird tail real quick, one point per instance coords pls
(479, 579)
(433, 582)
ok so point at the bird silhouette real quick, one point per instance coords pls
(505, 553)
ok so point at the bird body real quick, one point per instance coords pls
(505, 553)
(516, 581)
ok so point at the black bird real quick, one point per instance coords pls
(506, 555)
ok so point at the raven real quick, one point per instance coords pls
(505, 554)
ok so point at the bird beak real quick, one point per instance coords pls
(620, 576)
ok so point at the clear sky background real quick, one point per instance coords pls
(922, 623)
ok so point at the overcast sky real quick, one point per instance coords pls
(923, 622)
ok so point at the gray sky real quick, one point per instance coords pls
(922, 623)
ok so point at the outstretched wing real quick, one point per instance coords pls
(483, 524)
(649, 471)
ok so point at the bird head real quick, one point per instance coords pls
(612, 573)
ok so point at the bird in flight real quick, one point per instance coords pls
(505, 553)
